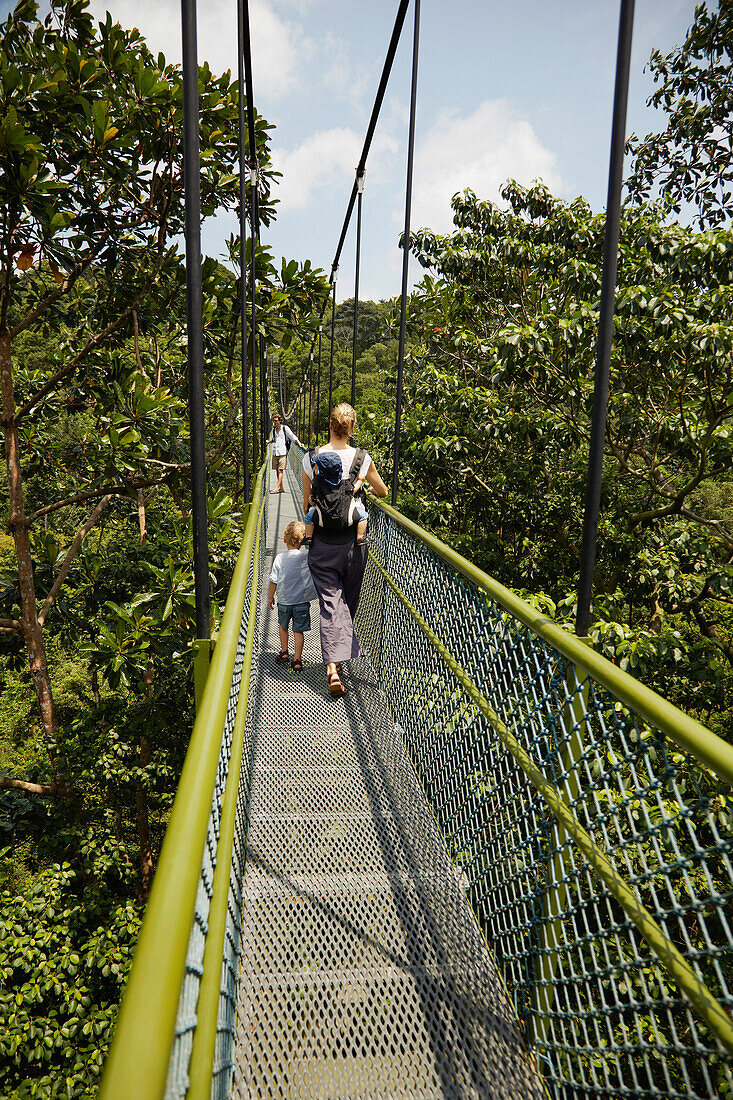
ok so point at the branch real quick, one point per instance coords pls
(48, 790)
(10, 626)
(94, 342)
(708, 629)
(474, 475)
(121, 489)
(61, 289)
(677, 503)
(71, 554)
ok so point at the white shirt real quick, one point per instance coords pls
(347, 457)
(292, 576)
(279, 446)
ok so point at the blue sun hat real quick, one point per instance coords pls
(329, 467)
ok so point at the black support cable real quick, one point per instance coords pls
(253, 306)
(310, 398)
(605, 319)
(264, 395)
(361, 166)
(318, 391)
(194, 319)
(360, 186)
(254, 209)
(405, 255)
(333, 325)
(243, 249)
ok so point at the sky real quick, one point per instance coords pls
(521, 90)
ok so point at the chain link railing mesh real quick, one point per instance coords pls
(177, 1082)
(604, 1016)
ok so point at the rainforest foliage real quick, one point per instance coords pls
(96, 604)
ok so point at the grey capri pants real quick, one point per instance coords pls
(338, 571)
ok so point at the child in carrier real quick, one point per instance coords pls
(291, 580)
(334, 500)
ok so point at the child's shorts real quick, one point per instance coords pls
(300, 613)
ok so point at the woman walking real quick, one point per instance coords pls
(337, 558)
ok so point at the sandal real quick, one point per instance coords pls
(335, 687)
(297, 666)
(283, 657)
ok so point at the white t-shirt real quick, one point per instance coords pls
(292, 576)
(279, 444)
(346, 454)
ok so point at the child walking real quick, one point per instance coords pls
(291, 580)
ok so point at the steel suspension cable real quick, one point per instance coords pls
(264, 395)
(318, 391)
(194, 318)
(360, 186)
(605, 319)
(243, 250)
(378, 99)
(405, 256)
(373, 119)
(310, 397)
(254, 211)
(333, 325)
(253, 307)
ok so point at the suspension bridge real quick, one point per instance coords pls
(498, 867)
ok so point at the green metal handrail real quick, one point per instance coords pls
(709, 749)
(137, 1065)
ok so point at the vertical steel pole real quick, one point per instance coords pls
(405, 255)
(192, 184)
(330, 372)
(264, 397)
(253, 304)
(243, 249)
(310, 397)
(605, 320)
(360, 194)
(254, 210)
(318, 391)
(264, 390)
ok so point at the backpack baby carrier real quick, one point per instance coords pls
(332, 495)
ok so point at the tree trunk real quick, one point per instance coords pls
(143, 824)
(141, 799)
(141, 517)
(19, 527)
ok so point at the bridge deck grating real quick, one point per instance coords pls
(363, 973)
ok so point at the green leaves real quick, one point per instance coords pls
(498, 400)
(689, 161)
(64, 953)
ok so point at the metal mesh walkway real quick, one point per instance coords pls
(363, 972)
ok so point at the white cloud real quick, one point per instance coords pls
(326, 162)
(479, 151)
(278, 45)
